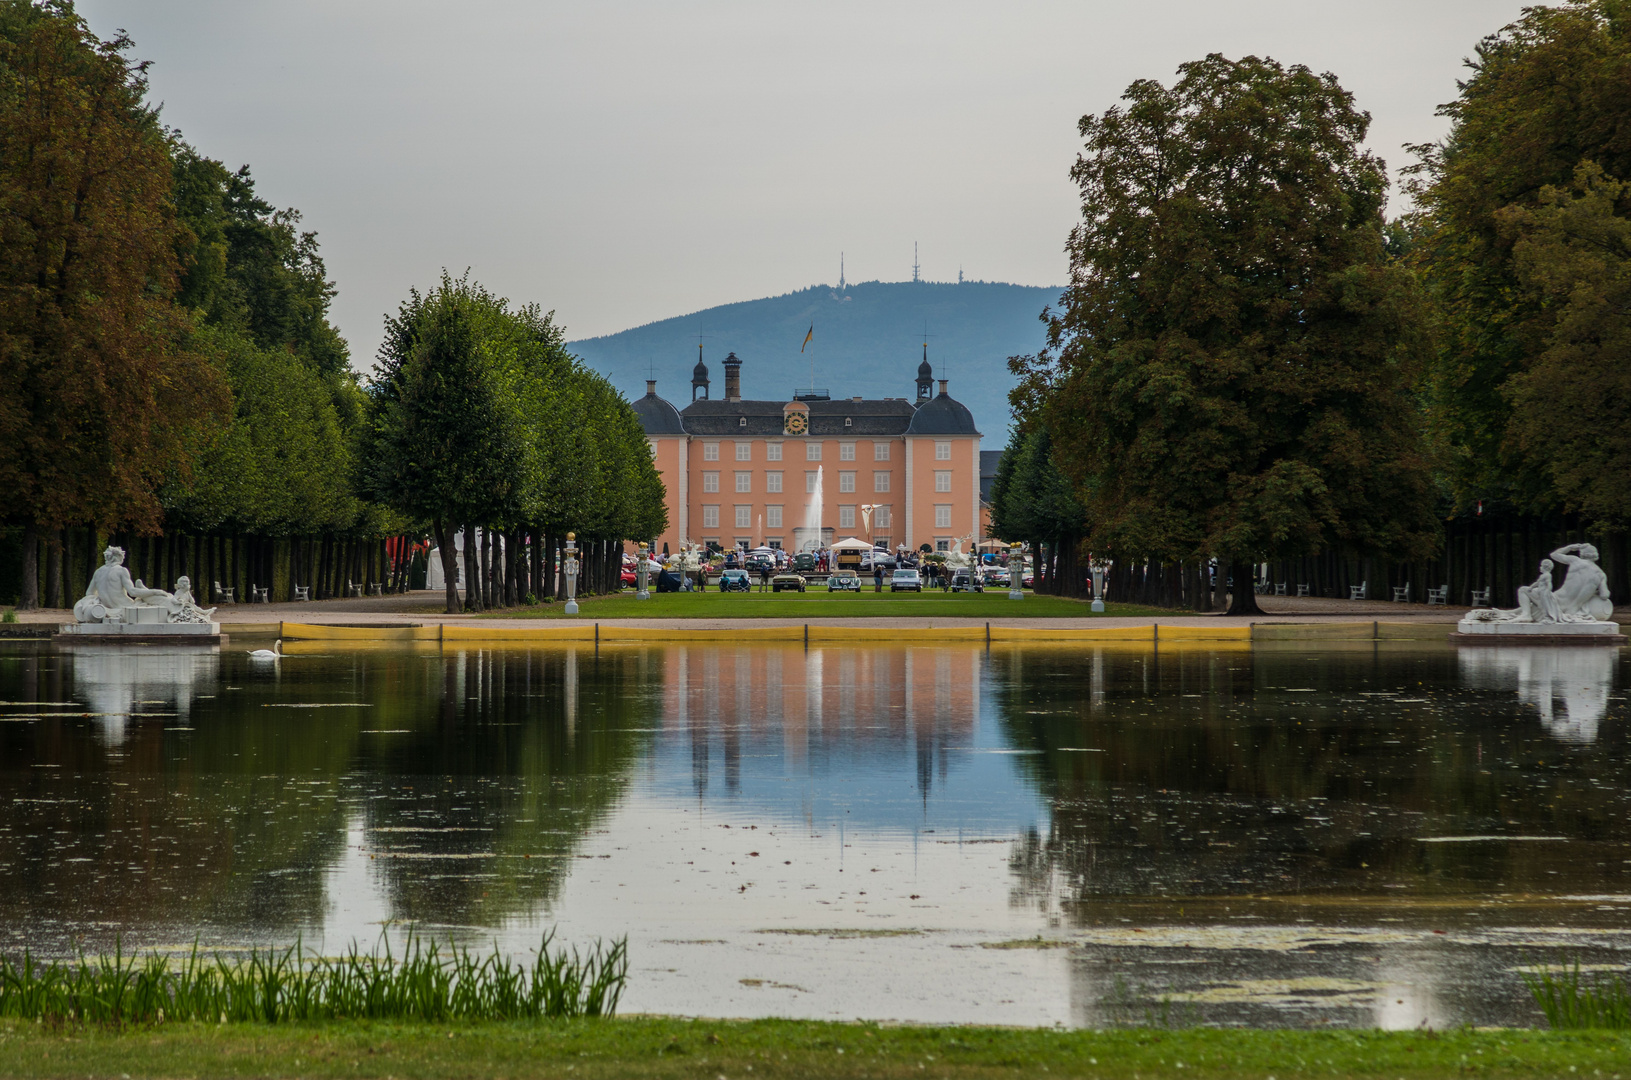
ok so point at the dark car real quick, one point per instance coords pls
(804, 562)
(966, 581)
(735, 581)
(905, 579)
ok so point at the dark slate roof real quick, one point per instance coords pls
(989, 461)
(657, 416)
(942, 415)
(886, 416)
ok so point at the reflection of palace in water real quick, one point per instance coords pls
(819, 708)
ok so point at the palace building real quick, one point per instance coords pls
(897, 471)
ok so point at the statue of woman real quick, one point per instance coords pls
(1536, 601)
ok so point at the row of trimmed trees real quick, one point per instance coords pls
(1252, 365)
(170, 379)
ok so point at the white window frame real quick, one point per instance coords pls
(773, 517)
(846, 517)
(710, 451)
(846, 482)
(744, 515)
(810, 480)
(744, 481)
(880, 451)
(710, 517)
(744, 451)
(942, 480)
(710, 481)
(773, 481)
(942, 451)
(880, 480)
(846, 451)
(942, 515)
(881, 517)
(773, 451)
(812, 451)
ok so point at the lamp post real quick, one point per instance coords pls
(640, 590)
(1016, 572)
(571, 573)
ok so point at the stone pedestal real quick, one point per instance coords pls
(146, 630)
(1471, 632)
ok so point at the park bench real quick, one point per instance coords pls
(1302, 590)
(1401, 593)
(1480, 597)
(225, 596)
(353, 590)
(1280, 589)
(259, 595)
(1360, 591)
(1439, 596)
(302, 593)
(377, 588)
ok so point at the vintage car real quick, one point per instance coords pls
(804, 562)
(965, 580)
(843, 581)
(906, 578)
(735, 581)
(787, 580)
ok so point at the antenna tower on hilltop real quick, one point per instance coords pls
(916, 277)
(840, 271)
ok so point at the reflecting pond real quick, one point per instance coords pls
(1382, 834)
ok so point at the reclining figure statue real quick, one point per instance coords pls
(1583, 596)
(111, 591)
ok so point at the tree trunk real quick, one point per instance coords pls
(450, 564)
(472, 571)
(29, 598)
(1242, 598)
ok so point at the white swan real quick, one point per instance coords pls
(274, 653)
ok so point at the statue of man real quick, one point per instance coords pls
(1584, 592)
(111, 591)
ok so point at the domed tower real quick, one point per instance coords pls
(699, 377)
(925, 377)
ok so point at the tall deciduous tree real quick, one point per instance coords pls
(1505, 256)
(1230, 372)
(100, 394)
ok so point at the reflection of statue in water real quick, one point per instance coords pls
(111, 591)
(1583, 596)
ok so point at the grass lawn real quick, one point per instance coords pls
(819, 604)
(653, 1047)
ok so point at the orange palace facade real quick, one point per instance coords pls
(744, 473)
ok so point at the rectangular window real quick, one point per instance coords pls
(773, 517)
(846, 517)
(812, 451)
(773, 482)
(942, 544)
(744, 451)
(880, 481)
(810, 482)
(846, 481)
(846, 451)
(744, 481)
(773, 451)
(710, 451)
(880, 451)
(710, 481)
(881, 541)
(880, 518)
(710, 517)
(744, 517)
(942, 515)
(942, 479)
(942, 451)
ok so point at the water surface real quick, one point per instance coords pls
(1373, 835)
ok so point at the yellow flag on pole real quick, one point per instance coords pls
(808, 337)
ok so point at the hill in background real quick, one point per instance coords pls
(868, 342)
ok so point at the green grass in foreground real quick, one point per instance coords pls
(819, 604)
(653, 1047)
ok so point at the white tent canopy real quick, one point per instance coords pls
(852, 544)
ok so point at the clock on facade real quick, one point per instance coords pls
(796, 423)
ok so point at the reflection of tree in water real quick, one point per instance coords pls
(476, 815)
(233, 824)
(1215, 772)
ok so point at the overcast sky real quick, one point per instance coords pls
(624, 162)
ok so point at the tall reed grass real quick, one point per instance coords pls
(281, 985)
(1570, 1002)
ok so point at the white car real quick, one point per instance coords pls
(905, 578)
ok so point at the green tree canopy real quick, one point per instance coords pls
(1231, 368)
(1505, 238)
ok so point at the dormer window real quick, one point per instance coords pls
(741, 421)
(846, 421)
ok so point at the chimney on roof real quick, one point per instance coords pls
(943, 387)
(733, 378)
(651, 388)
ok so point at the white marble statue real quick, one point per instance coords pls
(181, 605)
(1582, 598)
(111, 591)
(956, 558)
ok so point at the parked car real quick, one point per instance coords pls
(735, 581)
(788, 580)
(843, 581)
(965, 581)
(996, 576)
(905, 578)
(804, 562)
(873, 559)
